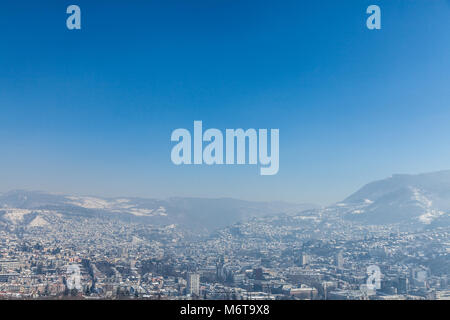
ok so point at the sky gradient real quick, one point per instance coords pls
(91, 111)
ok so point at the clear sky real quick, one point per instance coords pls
(92, 111)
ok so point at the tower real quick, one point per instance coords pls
(340, 260)
(193, 284)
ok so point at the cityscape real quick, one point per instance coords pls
(314, 254)
(199, 154)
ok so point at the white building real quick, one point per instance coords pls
(193, 284)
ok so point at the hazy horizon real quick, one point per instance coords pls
(83, 194)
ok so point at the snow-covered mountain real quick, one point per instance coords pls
(422, 199)
(38, 208)
(417, 200)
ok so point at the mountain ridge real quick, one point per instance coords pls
(422, 198)
(195, 213)
(414, 199)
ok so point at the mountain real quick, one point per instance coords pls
(411, 200)
(34, 208)
(402, 198)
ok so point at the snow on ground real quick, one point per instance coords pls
(427, 204)
(161, 211)
(430, 215)
(95, 203)
(38, 222)
(16, 215)
(140, 212)
(421, 198)
(115, 205)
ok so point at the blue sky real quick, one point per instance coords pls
(91, 111)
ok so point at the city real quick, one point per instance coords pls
(274, 257)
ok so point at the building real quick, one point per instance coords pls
(304, 292)
(305, 259)
(7, 265)
(193, 284)
(340, 260)
(403, 285)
